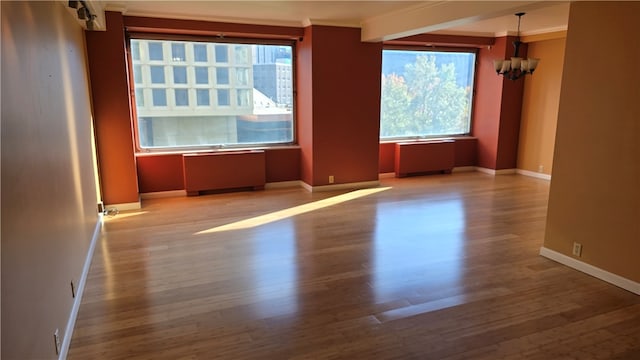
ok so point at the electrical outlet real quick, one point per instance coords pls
(331, 179)
(577, 249)
(73, 290)
(56, 341)
(540, 168)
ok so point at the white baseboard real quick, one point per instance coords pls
(386, 175)
(347, 186)
(163, 194)
(533, 174)
(283, 184)
(596, 272)
(125, 206)
(460, 169)
(68, 333)
(495, 172)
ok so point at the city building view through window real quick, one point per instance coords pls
(199, 94)
(426, 93)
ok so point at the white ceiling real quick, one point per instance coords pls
(542, 16)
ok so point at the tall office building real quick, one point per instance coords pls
(193, 89)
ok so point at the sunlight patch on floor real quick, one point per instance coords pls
(296, 210)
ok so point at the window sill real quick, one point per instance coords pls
(204, 151)
(407, 140)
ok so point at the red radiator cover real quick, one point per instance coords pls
(223, 170)
(424, 156)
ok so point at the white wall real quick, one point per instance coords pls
(48, 183)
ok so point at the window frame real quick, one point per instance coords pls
(150, 36)
(431, 49)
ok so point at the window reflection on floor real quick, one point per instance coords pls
(274, 270)
(418, 245)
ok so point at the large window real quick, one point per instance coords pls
(426, 93)
(196, 94)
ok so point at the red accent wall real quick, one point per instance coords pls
(387, 156)
(510, 115)
(282, 164)
(160, 172)
(466, 151)
(200, 27)
(497, 108)
(304, 104)
(345, 106)
(111, 112)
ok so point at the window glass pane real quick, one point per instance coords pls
(222, 54)
(202, 96)
(202, 75)
(188, 105)
(244, 97)
(223, 97)
(182, 97)
(242, 54)
(137, 74)
(242, 76)
(179, 74)
(177, 52)
(135, 50)
(200, 52)
(426, 93)
(155, 51)
(139, 97)
(157, 74)
(159, 97)
(222, 75)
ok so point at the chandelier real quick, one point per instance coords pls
(517, 67)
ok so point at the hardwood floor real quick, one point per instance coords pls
(432, 267)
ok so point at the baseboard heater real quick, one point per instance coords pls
(223, 170)
(419, 157)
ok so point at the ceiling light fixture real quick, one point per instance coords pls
(517, 67)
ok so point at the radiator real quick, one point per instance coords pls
(424, 156)
(223, 170)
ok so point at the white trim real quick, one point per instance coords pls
(495, 172)
(66, 341)
(163, 194)
(347, 186)
(596, 272)
(386, 175)
(125, 206)
(283, 184)
(534, 174)
(460, 169)
(306, 186)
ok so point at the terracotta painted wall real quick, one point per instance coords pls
(595, 190)
(345, 106)
(163, 172)
(497, 108)
(48, 186)
(486, 105)
(540, 107)
(282, 164)
(510, 113)
(111, 111)
(304, 104)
